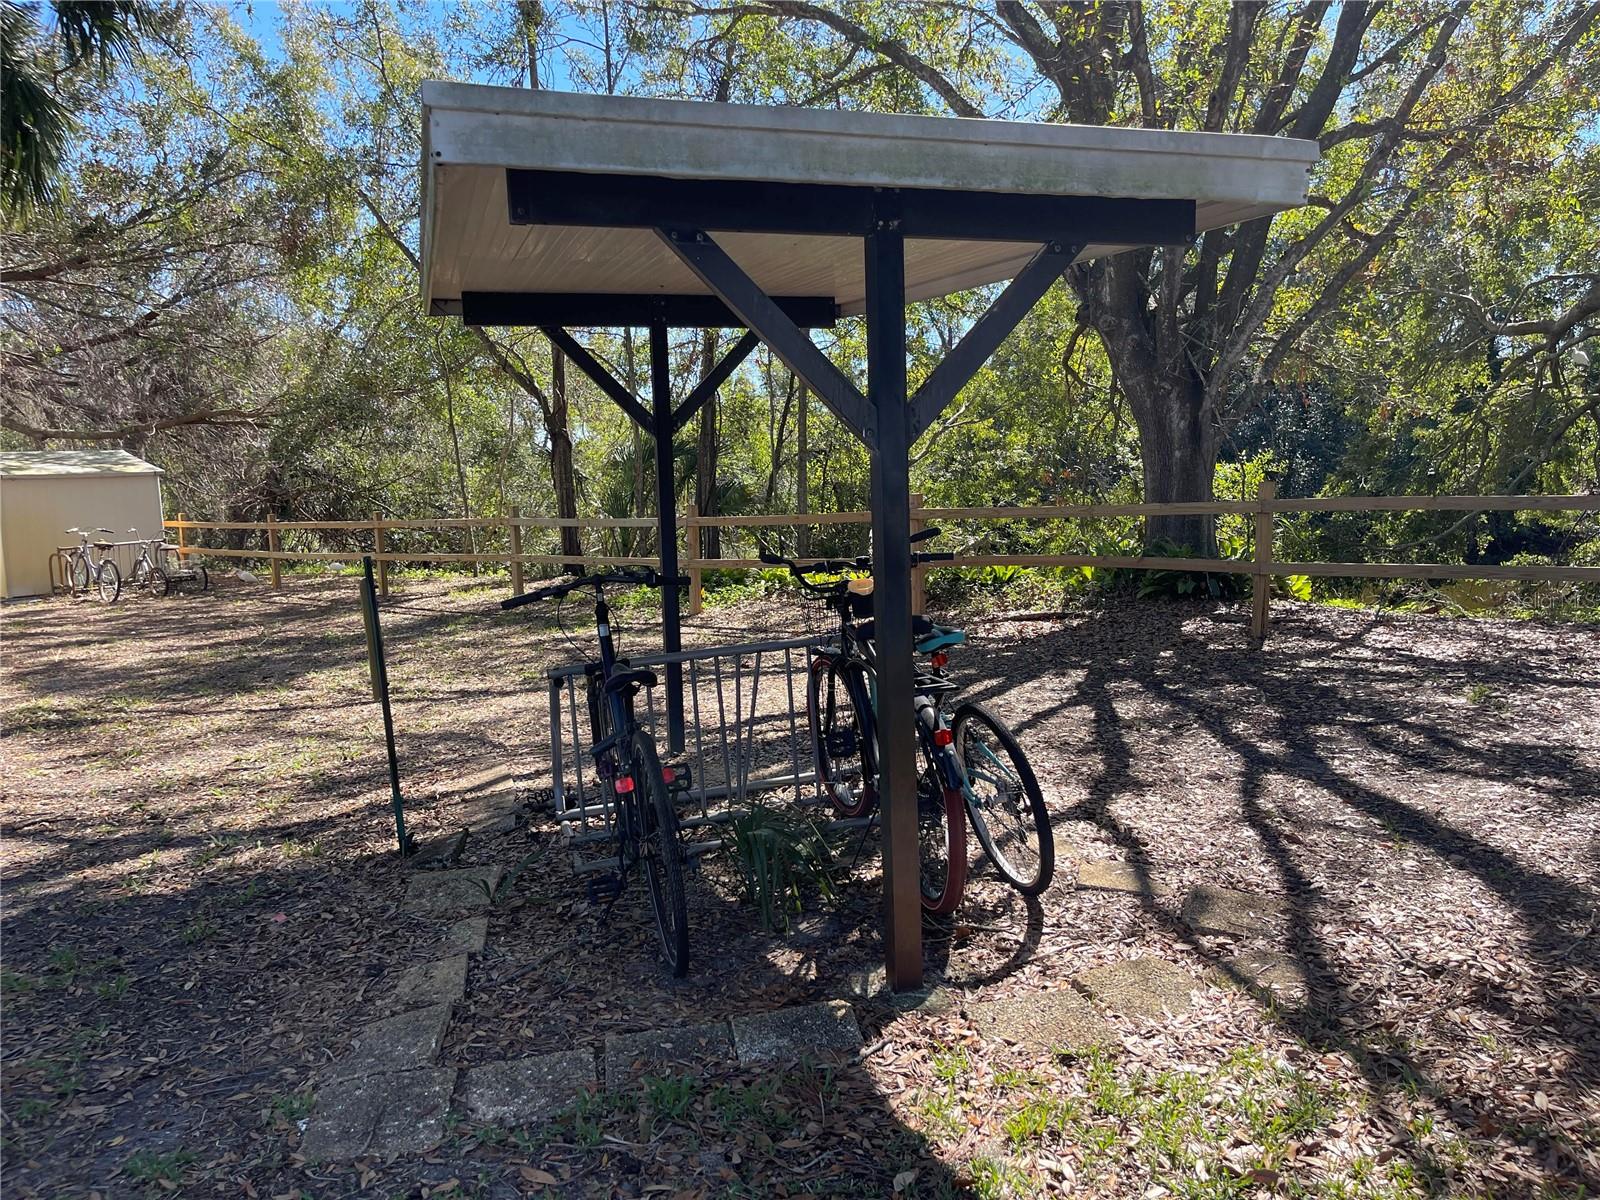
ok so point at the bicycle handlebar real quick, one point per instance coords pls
(833, 565)
(644, 576)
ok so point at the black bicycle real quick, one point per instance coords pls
(644, 816)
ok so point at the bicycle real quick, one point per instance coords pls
(80, 568)
(969, 750)
(147, 572)
(644, 816)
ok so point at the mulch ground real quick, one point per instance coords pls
(202, 906)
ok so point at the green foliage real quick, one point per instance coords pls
(1163, 583)
(781, 856)
(239, 220)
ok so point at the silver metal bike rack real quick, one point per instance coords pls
(744, 708)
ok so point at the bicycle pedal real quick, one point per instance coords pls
(603, 889)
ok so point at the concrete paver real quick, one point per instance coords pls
(793, 1033)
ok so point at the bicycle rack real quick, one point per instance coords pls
(746, 728)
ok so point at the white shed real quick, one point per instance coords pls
(43, 493)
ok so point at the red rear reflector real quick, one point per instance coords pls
(943, 737)
(624, 784)
(941, 658)
(668, 774)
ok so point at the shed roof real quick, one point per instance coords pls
(38, 464)
(472, 134)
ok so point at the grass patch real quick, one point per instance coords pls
(149, 1167)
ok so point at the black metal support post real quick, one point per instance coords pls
(667, 527)
(891, 573)
(379, 670)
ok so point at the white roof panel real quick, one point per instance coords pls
(471, 134)
(32, 464)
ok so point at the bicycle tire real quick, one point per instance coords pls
(1016, 809)
(941, 843)
(80, 573)
(201, 578)
(157, 583)
(108, 582)
(832, 726)
(663, 854)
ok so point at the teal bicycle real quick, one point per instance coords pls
(974, 769)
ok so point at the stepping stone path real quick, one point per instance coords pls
(440, 893)
(1043, 1021)
(442, 982)
(468, 935)
(380, 1114)
(662, 1051)
(1140, 987)
(401, 1043)
(1110, 876)
(872, 983)
(1242, 915)
(790, 1033)
(1284, 975)
(525, 1090)
(387, 1095)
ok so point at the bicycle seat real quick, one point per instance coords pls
(638, 677)
(942, 637)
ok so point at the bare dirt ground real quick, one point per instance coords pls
(202, 905)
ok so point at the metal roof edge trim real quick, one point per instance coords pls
(439, 95)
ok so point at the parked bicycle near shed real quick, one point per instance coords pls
(972, 762)
(82, 568)
(148, 573)
(644, 812)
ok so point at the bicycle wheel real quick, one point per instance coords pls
(663, 853)
(108, 581)
(841, 734)
(156, 582)
(1006, 805)
(941, 843)
(79, 573)
(200, 579)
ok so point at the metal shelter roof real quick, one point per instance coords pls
(475, 137)
(40, 464)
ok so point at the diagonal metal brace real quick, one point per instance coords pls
(762, 316)
(603, 379)
(958, 367)
(718, 376)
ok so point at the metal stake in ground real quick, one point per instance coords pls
(380, 692)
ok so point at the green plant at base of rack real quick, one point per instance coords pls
(780, 855)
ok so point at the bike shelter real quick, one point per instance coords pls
(557, 210)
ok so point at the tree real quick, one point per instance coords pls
(36, 121)
(1404, 102)
(141, 301)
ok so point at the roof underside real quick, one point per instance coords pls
(473, 134)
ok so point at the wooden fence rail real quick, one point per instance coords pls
(1262, 566)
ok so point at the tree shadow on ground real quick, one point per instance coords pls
(1280, 715)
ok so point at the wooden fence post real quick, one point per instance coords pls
(272, 548)
(919, 575)
(1261, 591)
(377, 547)
(182, 538)
(691, 543)
(516, 551)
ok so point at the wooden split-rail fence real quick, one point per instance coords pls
(1262, 566)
